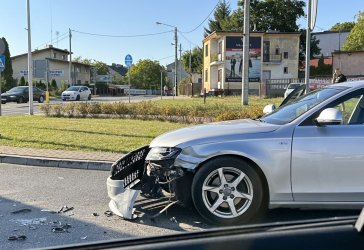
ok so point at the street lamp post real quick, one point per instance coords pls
(30, 62)
(175, 56)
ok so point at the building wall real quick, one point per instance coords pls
(350, 63)
(330, 41)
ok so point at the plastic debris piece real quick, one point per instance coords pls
(173, 219)
(49, 211)
(59, 230)
(108, 213)
(95, 214)
(32, 227)
(84, 238)
(17, 237)
(20, 211)
(65, 209)
(61, 178)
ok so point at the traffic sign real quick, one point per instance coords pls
(128, 60)
(2, 62)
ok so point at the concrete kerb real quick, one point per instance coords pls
(58, 163)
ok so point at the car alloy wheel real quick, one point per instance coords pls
(89, 97)
(78, 98)
(20, 100)
(41, 99)
(227, 192)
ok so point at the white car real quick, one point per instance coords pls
(291, 87)
(76, 93)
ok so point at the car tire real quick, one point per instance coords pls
(89, 97)
(20, 100)
(227, 191)
(78, 98)
(41, 99)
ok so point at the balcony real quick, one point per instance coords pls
(272, 58)
(216, 59)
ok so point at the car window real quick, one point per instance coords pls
(289, 112)
(73, 88)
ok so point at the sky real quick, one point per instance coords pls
(129, 17)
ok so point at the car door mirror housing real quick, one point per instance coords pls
(269, 109)
(329, 116)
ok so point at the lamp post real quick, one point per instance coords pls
(30, 62)
(175, 56)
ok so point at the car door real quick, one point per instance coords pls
(83, 93)
(328, 162)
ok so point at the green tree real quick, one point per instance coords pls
(271, 15)
(314, 49)
(355, 40)
(145, 74)
(101, 67)
(221, 20)
(8, 71)
(196, 60)
(53, 86)
(22, 81)
(345, 26)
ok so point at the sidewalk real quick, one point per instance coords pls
(57, 158)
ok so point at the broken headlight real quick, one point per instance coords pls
(162, 153)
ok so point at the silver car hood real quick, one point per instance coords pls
(212, 133)
(67, 92)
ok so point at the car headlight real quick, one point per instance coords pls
(12, 96)
(163, 153)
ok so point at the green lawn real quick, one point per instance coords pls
(107, 135)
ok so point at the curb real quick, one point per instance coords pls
(56, 163)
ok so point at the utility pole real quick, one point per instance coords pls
(190, 70)
(308, 47)
(30, 62)
(180, 62)
(175, 61)
(70, 62)
(245, 73)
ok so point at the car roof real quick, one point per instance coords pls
(349, 84)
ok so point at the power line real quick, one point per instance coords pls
(125, 36)
(49, 42)
(165, 58)
(187, 39)
(198, 26)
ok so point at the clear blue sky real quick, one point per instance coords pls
(122, 17)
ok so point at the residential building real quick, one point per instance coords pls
(180, 74)
(350, 62)
(115, 71)
(54, 60)
(273, 55)
(330, 41)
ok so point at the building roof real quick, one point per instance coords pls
(64, 61)
(42, 50)
(330, 32)
(217, 34)
(348, 51)
(121, 70)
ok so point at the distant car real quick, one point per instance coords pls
(291, 87)
(20, 94)
(76, 93)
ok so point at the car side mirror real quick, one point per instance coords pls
(269, 109)
(329, 116)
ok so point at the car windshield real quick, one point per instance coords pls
(17, 89)
(289, 112)
(293, 86)
(73, 88)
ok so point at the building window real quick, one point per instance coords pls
(206, 50)
(285, 55)
(63, 57)
(206, 75)
(54, 55)
(278, 51)
(285, 70)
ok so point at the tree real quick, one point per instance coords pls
(146, 74)
(196, 60)
(221, 18)
(355, 40)
(22, 81)
(8, 71)
(346, 26)
(101, 67)
(279, 15)
(314, 49)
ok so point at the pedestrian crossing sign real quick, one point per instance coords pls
(2, 62)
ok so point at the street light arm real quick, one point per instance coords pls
(159, 23)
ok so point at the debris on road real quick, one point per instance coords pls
(65, 209)
(27, 222)
(59, 230)
(32, 227)
(95, 214)
(17, 237)
(84, 238)
(21, 211)
(108, 213)
(49, 211)
(173, 219)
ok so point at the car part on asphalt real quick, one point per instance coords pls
(17, 237)
(65, 209)
(21, 211)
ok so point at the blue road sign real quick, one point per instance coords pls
(2, 62)
(128, 60)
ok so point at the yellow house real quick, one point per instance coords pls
(273, 55)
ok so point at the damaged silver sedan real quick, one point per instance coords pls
(307, 153)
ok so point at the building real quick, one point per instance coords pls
(116, 71)
(54, 60)
(350, 62)
(273, 55)
(330, 41)
(181, 72)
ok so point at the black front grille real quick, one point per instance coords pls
(130, 167)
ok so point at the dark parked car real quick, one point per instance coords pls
(20, 94)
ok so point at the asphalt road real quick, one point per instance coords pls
(13, 108)
(41, 190)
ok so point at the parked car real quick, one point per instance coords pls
(20, 94)
(76, 93)
(291, 87)
(307, 153)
